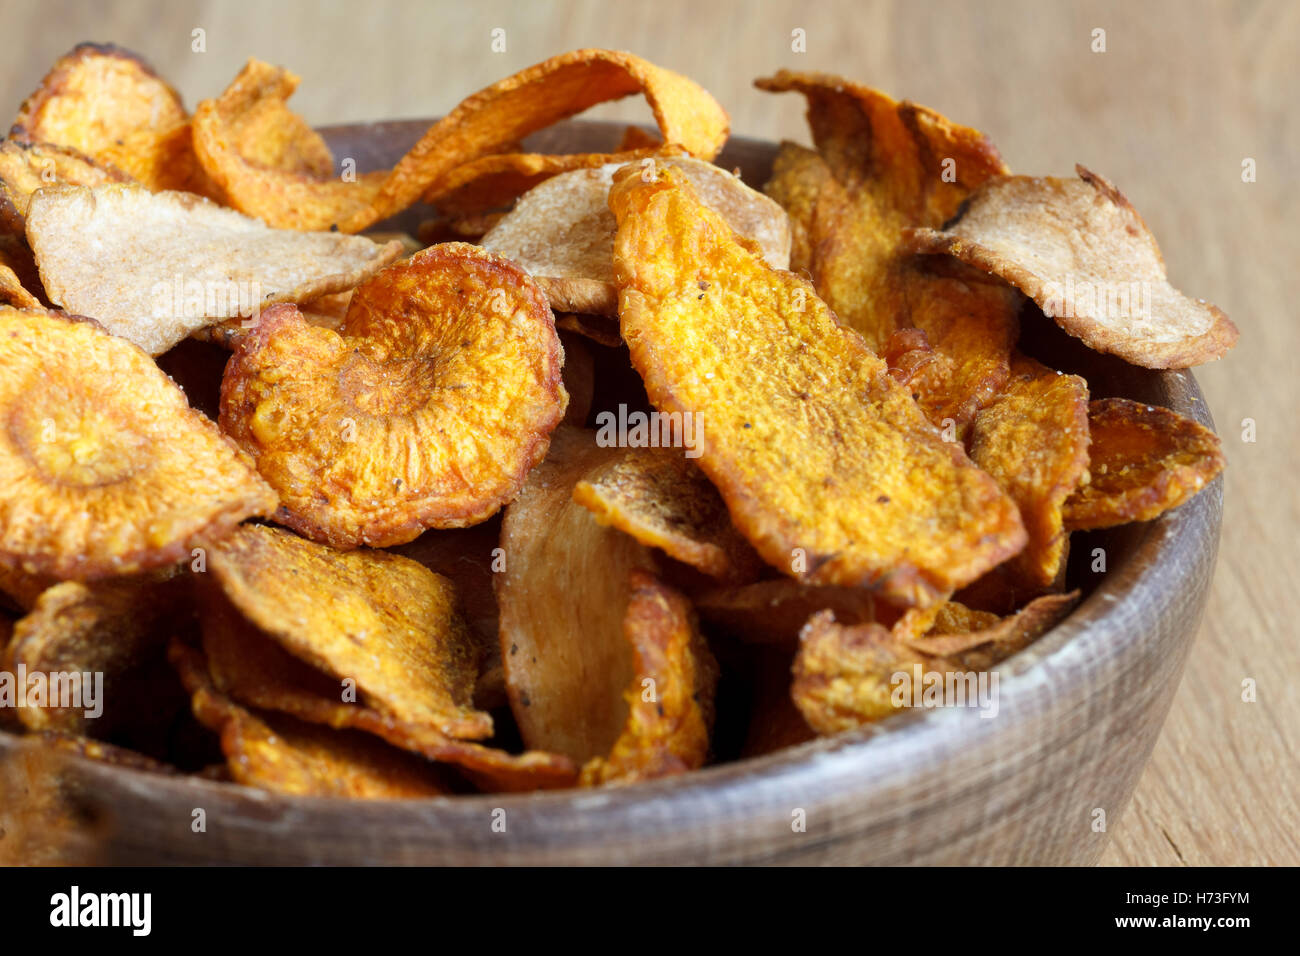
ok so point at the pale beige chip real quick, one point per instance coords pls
(153, 267)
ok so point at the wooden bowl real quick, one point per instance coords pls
(1079, 713)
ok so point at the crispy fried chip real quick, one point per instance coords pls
(153, 267)
(662, 499)
(1081, 251)
(428, 411)
(387, 623)
(563, 598)
(1033, 440)
(256, 672)
(562, 231)
(104, 468)
(285, 755)
(670, 699)
(847, 675)
(109, 104)
(27, 167)
(1145, 460)
(774, 611)
(826, 464)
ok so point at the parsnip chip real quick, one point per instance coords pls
(153, 267)
(670, 699)
(880, 166)
(773, 612)
(562, 231)
(428, 411)
(1081, 251)
(1033, 440)
(659, 497)
(563, 598)
(848, 675)
(27, 167)
(387, 623)
(826, 464)
(108, 104)
(104, 468)
(1145, 460)
(537, 97)
(285, 755)
(249, 667)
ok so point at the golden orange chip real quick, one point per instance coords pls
(1033, 440)
(848, 675)
(27, 167)
(285, 755)
(659, 497)
(773, 612)
(104, 468)
(826, 464)
(384, 622)
(563, 598)
(534, 98)
(1144, 460)
(249, 667)
(109, 104)
(670, 699)
(1080, 250)
(266, 132)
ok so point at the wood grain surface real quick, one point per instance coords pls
(1183, 94)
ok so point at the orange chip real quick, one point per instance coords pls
(285, 755)
(384, 622)
(104, 468)
(773, 612)
(1033, 440)
(670, 698)
(662, 499)
(1145, 460)
(847, 675)
(27, 167)
(826, 464)
(427, 411)
(1081, 251)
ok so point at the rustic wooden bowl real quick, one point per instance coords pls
(1078, 715)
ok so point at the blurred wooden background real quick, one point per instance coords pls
(1182, 95)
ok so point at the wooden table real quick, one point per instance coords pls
(1182, 95)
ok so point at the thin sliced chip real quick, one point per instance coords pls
(826, 464)
(659, 497)
(1080, 250)
(27, 167)
(285, 755)
(670, 699)
(267, 133)
(387, 623)
(1145, 460)
(249, 667)
(1033, 440)
(104, 468)
(773, 612)
(153, 267)
(562, 231)
(428, 411)
(563, 598)
(848, 675)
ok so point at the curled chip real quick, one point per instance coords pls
(104, 468)
(562, 231)
(1033, 440)
(534, 98)
(662, 499)
(826, 464)
(427, 411)
(384, 622)
(563, 598)
(108, 104)
(249, 667)
(1145, 460)
(265, 159)
(1080, 250)
(285, 755)
(774, 611)
(848, 675)
(27, 167)
(670, 700)
(153, 267)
